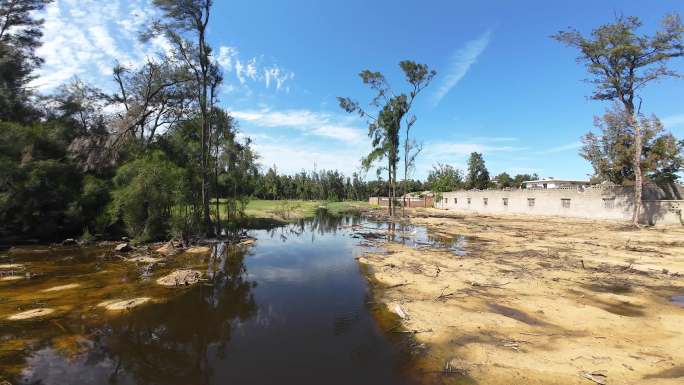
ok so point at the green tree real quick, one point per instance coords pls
(520, 178)
(20, 33)
(443, 178)
(503, 180)
(185, 25)
(478, 176)
(610, 152)
(622, 63)
(385, 126)
(146, 190)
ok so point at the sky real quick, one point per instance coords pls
(503, 86)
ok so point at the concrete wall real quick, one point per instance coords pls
(407, 202)
(614, 203)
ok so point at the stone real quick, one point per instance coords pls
(62, 287)
(123, 304)
(69, 242)
(198, 250)
(183, 277)
(167, 249)
(34, 313)
(123, 247)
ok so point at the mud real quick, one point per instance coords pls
(537, 300)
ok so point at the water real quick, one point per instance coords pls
(292, 309)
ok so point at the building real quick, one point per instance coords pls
(556, 183)
(595, 202)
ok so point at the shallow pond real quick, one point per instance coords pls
(293, 308)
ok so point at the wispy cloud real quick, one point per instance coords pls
(306, 121)
(253, 69)
(461, 62)
(561, 148)
(84, 38)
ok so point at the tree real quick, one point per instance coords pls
(478, 176)
(503, 180)
(155, 96)
(622, 63)
(443, 178)
(384, 127)
(20, 34)
(185, 26)
(520, 178)
(610, 151)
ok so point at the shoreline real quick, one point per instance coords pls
(539, 300)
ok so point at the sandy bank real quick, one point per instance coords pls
(540, 301)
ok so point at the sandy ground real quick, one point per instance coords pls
(539, 300)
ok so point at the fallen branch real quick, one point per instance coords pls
(489, 285)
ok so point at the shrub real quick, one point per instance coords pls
(145, 193)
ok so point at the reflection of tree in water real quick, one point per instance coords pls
(168, 343)
(321, 223)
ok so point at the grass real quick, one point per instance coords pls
(286, 210)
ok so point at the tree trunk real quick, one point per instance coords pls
(389, 187)
(638, 183)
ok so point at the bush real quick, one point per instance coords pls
(145, 193)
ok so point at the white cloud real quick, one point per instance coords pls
(226, 57)
(309, 122)
(461, 62)
(253, 69)
(85, 37)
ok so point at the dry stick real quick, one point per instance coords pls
(489, 285)
(397, 285)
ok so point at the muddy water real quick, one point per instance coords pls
(292, 309)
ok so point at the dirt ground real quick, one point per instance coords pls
(539, 300)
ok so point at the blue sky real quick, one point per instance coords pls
(503, 86)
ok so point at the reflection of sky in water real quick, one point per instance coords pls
(291, 310)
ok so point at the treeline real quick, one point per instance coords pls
(150, 159)
(323, 185)
(444, 177)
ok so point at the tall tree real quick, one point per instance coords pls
(503, 180)
(154, 96)
(185, 25)
(478, 175)
(622, 63)
(610, 151)
(385, 126)
(20, 34)
(443, 178)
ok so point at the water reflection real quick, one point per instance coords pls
(164, 343)
(291, 309)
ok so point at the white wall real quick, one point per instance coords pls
(615, 203)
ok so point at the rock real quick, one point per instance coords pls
(123, 247)
(144, 259)
(180, 278)
(398, 310)
(34, 313)
(456, 365)
(69, 242)
(167, 249)
(62, 287)
(11, 266)
(125, 304)
(247, 242)
(198, 250)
